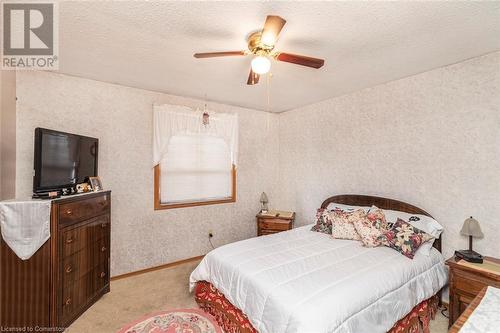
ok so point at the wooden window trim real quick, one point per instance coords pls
(157, 197)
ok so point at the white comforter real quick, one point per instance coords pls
(302, 281)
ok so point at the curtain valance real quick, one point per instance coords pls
(172, 120)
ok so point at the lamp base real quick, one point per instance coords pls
(470, 256)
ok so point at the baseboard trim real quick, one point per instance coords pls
(155, 268)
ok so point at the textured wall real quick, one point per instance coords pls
(7, 134)
(432, 140)
(121, 118)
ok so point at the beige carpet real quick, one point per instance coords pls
(134, 297)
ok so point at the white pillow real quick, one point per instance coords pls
(346, 208)
(422, 222)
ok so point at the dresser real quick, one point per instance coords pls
(67, 274)
(267, 225)
(466, 282)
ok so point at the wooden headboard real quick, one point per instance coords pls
(383, 203)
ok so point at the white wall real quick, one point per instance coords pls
(121, 118)
(432, 140)
(7, 134)
(1, 116)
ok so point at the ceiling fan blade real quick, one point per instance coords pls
(300, 60)
(253, 78)
(218, 54)
(272, 29)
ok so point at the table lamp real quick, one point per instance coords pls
(470, 228)
(263, 201)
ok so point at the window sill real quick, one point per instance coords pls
(160, 206)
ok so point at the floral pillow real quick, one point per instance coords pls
(371, 227)
(323, 222)
(342, 223)
(405, 238)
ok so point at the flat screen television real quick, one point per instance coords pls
(62, 160)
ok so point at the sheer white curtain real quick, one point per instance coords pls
(195, 159)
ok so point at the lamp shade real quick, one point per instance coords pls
(471, 228)
(263, 198)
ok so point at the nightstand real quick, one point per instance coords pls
(267, 225)
(467, 280)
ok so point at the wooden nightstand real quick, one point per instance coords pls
(267, 225)
(466, 282)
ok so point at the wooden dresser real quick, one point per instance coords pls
(67, 274)
(466, 283)
(467, 313)
(267, 225)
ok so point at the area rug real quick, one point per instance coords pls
(174, 321)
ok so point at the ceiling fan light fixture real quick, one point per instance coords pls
(261, 64)
(268, 39)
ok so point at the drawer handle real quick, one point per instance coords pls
(69, 212)
(102, 203)
(68, 301)
(102, 275)
(104, 225)
(69, 240)
(103, 248)
(69, 269)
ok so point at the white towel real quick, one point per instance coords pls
(25, 225)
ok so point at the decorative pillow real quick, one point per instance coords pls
(323, 222)
(371, 227)
(405, 238)
(342, 223)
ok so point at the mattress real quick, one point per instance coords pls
(304, 281)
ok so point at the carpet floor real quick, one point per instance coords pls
(134, 297)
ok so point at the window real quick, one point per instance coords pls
(197, 170)
(195, 162)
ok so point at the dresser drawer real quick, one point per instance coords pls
(274, 224)
(80, 263)
(73, 212)
(467, 285)
(76, 295)
(76, 238)
(268, 232)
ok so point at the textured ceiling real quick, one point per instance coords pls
(149, 45)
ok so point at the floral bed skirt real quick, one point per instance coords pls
(233, 320)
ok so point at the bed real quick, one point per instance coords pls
(302, 281)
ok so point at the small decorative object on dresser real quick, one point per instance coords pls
(467, 280)
(274, 221)
(83, 188)
(95, 183)
(470, 228)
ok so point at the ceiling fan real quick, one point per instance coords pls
(261, 46)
